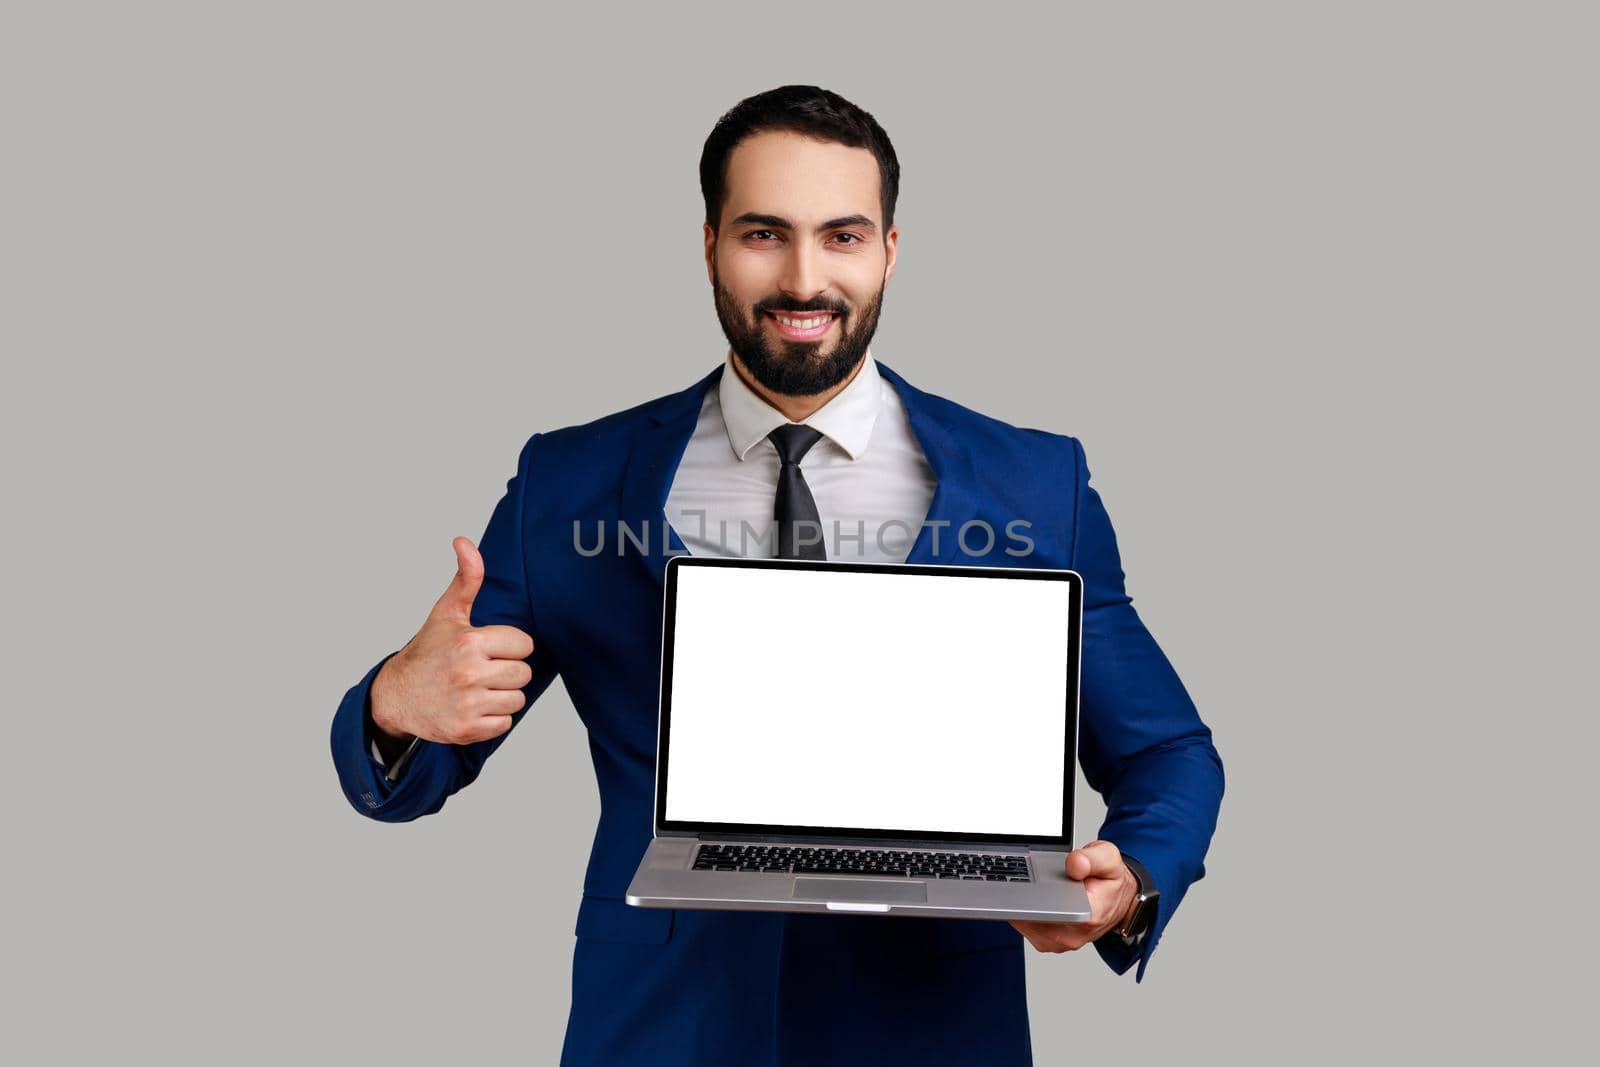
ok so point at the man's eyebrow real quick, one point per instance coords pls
(860, 222)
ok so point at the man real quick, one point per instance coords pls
(801, 424)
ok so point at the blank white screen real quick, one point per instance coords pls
(869, 701)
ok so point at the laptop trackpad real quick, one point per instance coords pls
(860, 889)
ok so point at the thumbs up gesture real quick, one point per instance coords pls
(454, 682)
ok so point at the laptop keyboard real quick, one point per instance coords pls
(880, 863)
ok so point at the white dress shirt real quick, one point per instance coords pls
(867, 473)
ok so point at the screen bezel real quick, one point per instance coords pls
(763, 831)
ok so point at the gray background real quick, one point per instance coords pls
(285, 288)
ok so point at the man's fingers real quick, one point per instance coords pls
(1032, 935)
(456, 601)
(491, 702)
(482, 729)
(1098, 859)
(495, 725)
(507, 674)
(505, 642)
(1052, 937)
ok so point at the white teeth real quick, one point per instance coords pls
(802, 324)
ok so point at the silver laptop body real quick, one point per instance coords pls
(893, 739)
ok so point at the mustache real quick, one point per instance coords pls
(789, 309)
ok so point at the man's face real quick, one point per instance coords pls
(800, 236)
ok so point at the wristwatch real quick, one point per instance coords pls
(1142, 916)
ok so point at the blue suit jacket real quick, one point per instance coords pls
(663, 987)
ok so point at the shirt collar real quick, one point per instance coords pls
(846, 419)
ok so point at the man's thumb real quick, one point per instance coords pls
(463, 589)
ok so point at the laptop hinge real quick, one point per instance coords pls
(809, 839)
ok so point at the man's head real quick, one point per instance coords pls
(800, 187)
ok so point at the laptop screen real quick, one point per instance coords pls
(930, 702)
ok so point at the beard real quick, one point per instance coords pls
(795, 368)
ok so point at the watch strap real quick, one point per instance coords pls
(1142, 916)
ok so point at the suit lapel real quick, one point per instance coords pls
(657, 450)
(659, 447)
(953, 501)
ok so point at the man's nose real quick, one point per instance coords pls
(802, 279)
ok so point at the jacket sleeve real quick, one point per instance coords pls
(1141, 742)
(436, 769)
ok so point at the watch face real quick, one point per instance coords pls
(1139, 921)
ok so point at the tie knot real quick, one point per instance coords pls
(793, 441)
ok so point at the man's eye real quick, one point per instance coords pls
(758, 233)
(853, 238)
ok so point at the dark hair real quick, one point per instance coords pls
(802, 109)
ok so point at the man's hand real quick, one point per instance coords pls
(454, 682)
(1112, 889)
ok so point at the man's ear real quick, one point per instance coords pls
(711, 252)
(891, 242)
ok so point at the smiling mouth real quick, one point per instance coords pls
(803, 327)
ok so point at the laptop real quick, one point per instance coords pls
(889, 739)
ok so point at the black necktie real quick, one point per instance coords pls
(794, 504)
